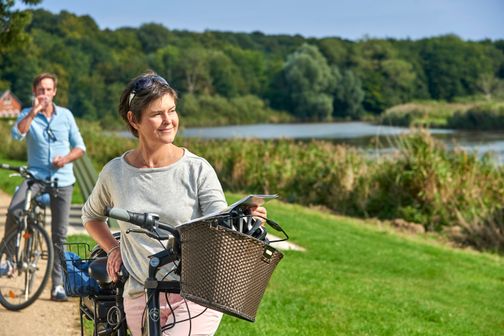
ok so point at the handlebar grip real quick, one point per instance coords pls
(145, 220)
(117, 213)
(5, 166)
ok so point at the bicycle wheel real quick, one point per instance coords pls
(26, 276)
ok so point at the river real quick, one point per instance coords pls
(359, 134)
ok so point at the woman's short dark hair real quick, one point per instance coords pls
(140, 92)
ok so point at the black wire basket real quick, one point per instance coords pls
(75, 260)
(223, 269)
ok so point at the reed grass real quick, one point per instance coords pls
(421, 182)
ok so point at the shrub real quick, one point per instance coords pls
(12, 149)
(488, 116)
(421, 181)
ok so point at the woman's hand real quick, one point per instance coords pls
(259, 211)
(114, 263)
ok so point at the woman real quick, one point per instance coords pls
(159, 177)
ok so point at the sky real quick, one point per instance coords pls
(349, 19)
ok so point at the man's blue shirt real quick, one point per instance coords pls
(47, 139)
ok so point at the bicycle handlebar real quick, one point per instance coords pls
(147, 221)
(23, 170)
(25, 173)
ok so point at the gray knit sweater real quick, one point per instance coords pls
(184, 190)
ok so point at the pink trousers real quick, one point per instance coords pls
(204, 324)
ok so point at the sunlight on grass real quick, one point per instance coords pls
(356, 278)
(360, 279)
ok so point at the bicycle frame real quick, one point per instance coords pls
(153, 287)
(29, 208)
(31, 234)
(150, 222)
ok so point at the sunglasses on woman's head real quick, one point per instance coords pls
(144, 83)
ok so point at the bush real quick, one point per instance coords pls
(421, 182)
(11, 149)
(102, 147)
(489, 116)
(425, 114)
(205, 110)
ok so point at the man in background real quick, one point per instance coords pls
(53, 143)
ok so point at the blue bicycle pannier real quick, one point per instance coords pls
(78, 282)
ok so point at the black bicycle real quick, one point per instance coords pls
(26, 253)
(242, 290)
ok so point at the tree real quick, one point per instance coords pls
(13, 23)
(194, 65)
(453, 66)
(489, 85)
(224, 74)
(153, 36)
(310, 82)
(387, 80)
(252, 69)
(336, 51)
(349, 96)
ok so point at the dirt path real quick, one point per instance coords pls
(44, 317)
(48, 318)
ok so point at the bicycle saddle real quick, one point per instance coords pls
(98, 271)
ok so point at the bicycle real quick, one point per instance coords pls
(26, 253)
(239, 301)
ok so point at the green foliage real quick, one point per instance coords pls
(471, 114)
(423, 113)
(422, 182)
(311, 79)
(387, 79)
(486, 116)
(453, 66)
(9, 183)
(310, 82)
(101, 147)
(206, 110)
(12, 25)
(349, 96)
(11, 149)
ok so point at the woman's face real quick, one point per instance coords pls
(159, 122)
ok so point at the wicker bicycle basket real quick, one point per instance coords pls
(223, 269)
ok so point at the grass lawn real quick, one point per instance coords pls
(7, 183)
(358, 279)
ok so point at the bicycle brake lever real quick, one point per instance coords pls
(148, 233)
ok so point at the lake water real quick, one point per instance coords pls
(360, 134)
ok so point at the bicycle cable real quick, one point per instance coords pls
(172, 311)
(119, 318)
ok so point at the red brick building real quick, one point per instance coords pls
(10, 106)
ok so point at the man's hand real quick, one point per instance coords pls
(40, 103)
(59, 161)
